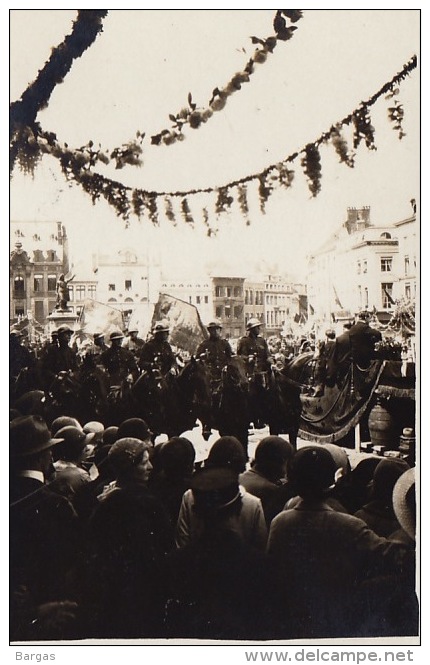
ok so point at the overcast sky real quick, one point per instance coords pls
(142, 67)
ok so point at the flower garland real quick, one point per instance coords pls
(194, 117)
(30, 143)
(36, 97)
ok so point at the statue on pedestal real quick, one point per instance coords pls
(63, 293)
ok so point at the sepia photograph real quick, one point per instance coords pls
(214, 329)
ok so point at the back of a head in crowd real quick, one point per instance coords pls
(216, 494)
(177, 456)
(385, 476)
(64, 421)
(31, 403)
(340, 457)
(135, 428)
(110, 435)
(227, 452)
(73, 445)
(271, 456)
(311, 472)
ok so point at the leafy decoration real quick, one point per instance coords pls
(264, 191)
(186, 212)
(341, 147)
(363, 128)
(224, 200)
(311, 163)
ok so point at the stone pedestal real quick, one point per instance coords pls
(61, 317)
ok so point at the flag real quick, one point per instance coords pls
(97, 317)
(390, 299)
(336, 299)
(141, 319)
(186, 327)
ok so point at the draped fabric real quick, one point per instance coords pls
(331, 416)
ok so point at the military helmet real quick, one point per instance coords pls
(161, 326)
(214, 324)
(253, 323)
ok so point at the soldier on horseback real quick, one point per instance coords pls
(118, 361)
(215, 352)
(254, 350)
(157, 352)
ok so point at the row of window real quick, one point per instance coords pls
(228, 312)
(253, 297)
(386, 265)
(228, 292)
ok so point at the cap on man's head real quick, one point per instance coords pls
(364, 315)
(125, 453)
(98, 335)
(132, 330)
(74, 442)
(312, 471)
(214, 490)
(64, 421)
(135, 428)
(31, 403)
(15, 333)
(29, 435)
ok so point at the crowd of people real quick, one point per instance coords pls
(115, 536)
(112, 536)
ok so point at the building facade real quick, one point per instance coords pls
(361, 266)
(39, 255)
(229, 303)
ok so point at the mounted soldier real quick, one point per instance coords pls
(119, 362)
(215, 352)
(157, 352)
(133, 342)
(254, 350)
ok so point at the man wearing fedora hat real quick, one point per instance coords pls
(44, 536)
(119, 362)
(157, 352)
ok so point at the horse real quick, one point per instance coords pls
(191, 394)
(231, 411)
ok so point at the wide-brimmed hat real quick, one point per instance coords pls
(404, 502)
(98, 335)
(15, 333)
(132, 330)
(29, 435)
(253, 323)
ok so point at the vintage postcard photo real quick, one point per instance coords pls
(214, 270)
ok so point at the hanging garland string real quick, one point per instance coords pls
(87, 26)
(194, 117)
(76, 165)
(23, 113)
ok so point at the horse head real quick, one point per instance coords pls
(234, 375)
